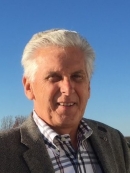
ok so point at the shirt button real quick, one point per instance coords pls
(63, 139)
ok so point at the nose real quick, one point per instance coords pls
(67, 87)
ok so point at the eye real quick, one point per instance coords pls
(77, 77)
(54, 78)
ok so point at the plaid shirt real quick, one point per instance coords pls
(64, 158)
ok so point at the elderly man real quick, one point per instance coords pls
(58, 65)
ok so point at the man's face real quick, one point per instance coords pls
(61, 89)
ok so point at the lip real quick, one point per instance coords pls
(66, 103)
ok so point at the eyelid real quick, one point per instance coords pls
(53, 77)
(79, 74)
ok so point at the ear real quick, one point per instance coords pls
(89, 90)
(28, 88)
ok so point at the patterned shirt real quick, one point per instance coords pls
(64, 158)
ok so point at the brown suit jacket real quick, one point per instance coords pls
(22, 150)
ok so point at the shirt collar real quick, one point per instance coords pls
(44, 128)
(84, 131)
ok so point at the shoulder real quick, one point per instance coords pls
(14, 135)
(12, 138)
(9, 139)
(101, 128)
(7, 134)
(114, 135)
(99, 125)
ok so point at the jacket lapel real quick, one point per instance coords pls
(36, 156)
(102, 147)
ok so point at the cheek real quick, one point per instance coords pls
(84, 95)
(86, 90)
(52, 94)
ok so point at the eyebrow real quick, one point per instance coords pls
(80, 71)
(51, 73)
(58, 72)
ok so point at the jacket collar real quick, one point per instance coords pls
(36, 155)
(37, 162)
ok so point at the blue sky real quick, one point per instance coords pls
(105, 24)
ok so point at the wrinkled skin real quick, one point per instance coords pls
(61, 87)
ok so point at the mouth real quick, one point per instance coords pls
(66, 104)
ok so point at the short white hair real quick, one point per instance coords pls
(58, 37)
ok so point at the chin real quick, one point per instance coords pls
(68, 122)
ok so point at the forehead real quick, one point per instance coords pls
(60, 58)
